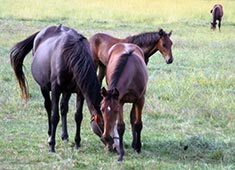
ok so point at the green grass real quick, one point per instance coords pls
(189, 113)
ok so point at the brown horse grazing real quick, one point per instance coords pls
(62, 64)
(126, 78)
(217, 13)
(149, 42)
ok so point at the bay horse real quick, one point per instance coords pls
(62, 64)
(217, 13)
(149, 42)
(126, 78)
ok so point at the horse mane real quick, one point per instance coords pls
(119, 68)
(147, 38)
(80, 64)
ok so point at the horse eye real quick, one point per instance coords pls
(164, 45)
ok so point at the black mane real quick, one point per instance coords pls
(147, 38)
(80, 64)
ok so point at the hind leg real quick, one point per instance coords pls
(55, 117)
(78, 119)
(64, 107)
(47, 105)
(132, 121)
(137, 126)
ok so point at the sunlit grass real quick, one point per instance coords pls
(148, 11)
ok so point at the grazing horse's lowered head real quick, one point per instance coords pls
(217, 13)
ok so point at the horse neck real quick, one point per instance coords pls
(83, 69)
(147, 42)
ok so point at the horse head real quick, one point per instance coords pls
(213, 25)
(164, 46)
(110, 110)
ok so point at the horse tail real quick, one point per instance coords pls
(17, 55)
(119, 68)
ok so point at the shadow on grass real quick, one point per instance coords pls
(193, 149)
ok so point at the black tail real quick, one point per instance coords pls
(17, 55)
(119, 68)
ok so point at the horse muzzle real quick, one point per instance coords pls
(96, 128)
(169, 60)
(108, 141)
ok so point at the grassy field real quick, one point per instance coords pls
(189, 114)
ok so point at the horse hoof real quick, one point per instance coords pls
(66, 141)
(52, 150)
(77, 146)
(65, 138)
(120, 159)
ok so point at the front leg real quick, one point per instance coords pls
(78, 118)
(121, 130)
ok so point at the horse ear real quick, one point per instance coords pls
(211, 11)
(103, 92)
(115, 93)
(169, 34)
(161, 32)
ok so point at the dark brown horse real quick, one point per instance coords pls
(217, 13)
(149, 42)
(126, 77)
(62, 64)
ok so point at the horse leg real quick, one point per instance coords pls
(132, 121)
(121, 130)
(219, 24)
(55, 116)
(138, 124)
(64, 107)
(78, 118)
(47, 105)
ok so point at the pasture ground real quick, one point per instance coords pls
(189, 115)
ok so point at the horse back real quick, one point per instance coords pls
(217, 11)
(100, 43)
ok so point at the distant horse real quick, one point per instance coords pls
(62, 64)
(126, 77)
(149, 42)
(217, 13)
